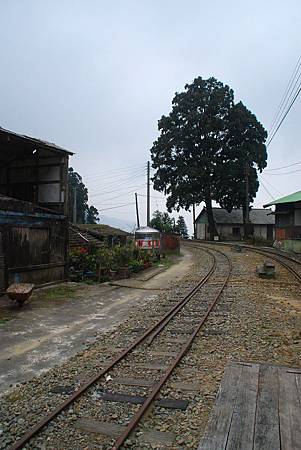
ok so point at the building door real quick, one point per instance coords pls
(270, 229)
(2, 269)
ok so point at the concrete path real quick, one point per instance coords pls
(51, 328)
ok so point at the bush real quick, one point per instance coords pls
(91, 260)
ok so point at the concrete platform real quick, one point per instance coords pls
(50, 328)
(258, 407)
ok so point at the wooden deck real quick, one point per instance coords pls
(258, 407)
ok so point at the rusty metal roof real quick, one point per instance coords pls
(33, 141)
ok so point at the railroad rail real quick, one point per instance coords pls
(287, 261)
(194, 306)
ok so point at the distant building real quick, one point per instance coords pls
(230, 225)
(288, 222)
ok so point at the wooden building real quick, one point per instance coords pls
(33, 208)
(34, 171)
(33, 243)
(230, 225)
(288, 222)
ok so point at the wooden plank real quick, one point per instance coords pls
(146, 366)
(216, 434)
(289, 411)
(180, 386)
(139, 400)
(132, 382)
(94, 426)
(266, 433)
(155, 437)
(243, 419)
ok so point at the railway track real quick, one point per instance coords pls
(290, 263)
(144, 366)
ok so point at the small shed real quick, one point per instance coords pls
(230, 225)
(33, 243)
(288, 222)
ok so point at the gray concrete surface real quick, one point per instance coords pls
(47, 331)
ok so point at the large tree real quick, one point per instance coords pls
(206, 149)
(191, 139)
(84, 212)
(244, 153)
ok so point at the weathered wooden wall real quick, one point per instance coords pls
(34, 246)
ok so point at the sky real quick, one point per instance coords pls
(95, 76)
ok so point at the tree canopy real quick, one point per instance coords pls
(84, 212)
(162, 222)
(203, 146)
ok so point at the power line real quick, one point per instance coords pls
(283, 173)
(270, 184)
(119, 206)
(96, 174)
(286, 92)
(283, 118)
(114, 190)
(119, 181)
(284, 167)
(266, 189)
(107, 189)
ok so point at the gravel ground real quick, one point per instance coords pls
(255, 320)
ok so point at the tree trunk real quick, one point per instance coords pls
(211, 223)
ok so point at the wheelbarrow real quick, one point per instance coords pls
(20, 292)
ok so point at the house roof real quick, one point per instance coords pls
(292, 198)
(103, 230)
(11, 135)
(82, 238)
(258, 216)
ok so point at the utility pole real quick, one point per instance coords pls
(137, 211)
(74, 205)
(247, 216)
(193, 218)
(148, 195)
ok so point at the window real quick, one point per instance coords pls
(236, 231)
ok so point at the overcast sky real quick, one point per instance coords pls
(95, 76)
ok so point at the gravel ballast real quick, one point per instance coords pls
(255, 320)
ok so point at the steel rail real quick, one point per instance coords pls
(19, 444)
(152, 396)
(272, 254)
(181, 306)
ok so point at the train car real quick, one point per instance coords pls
(147, 238)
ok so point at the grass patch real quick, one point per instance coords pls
(58, 293)
(4, 320)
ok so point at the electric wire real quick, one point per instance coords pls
(285, 114)
(285, 95)
(270, 184)
(118, 181)
(115, 190)
(266, 189)
(283, 167)
(113, 171)
(119, 206)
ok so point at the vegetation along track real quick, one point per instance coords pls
(185, 318)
